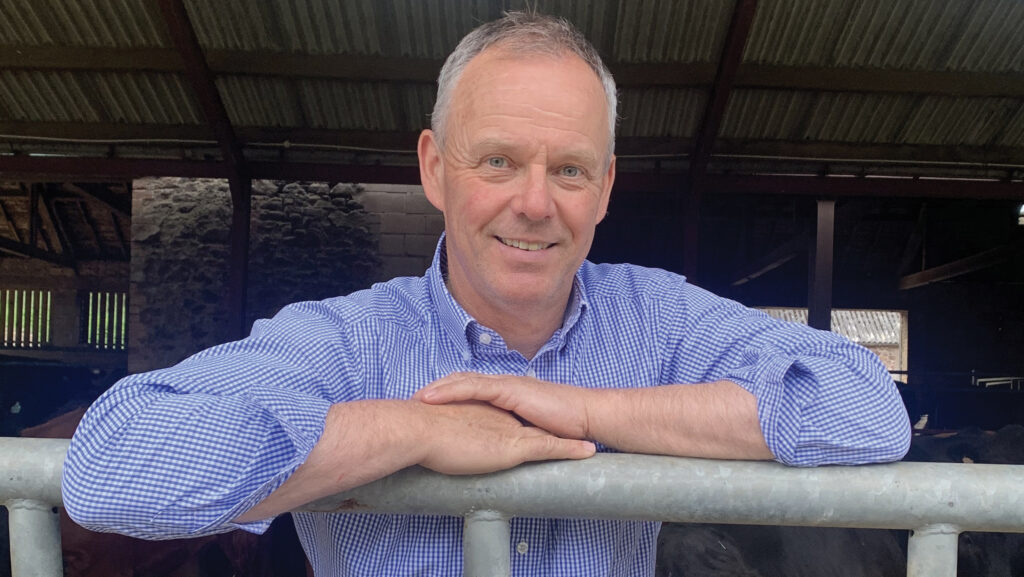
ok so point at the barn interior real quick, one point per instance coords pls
(171, 170)
(797, 154)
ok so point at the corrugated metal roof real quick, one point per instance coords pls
(660, 111)
(915, 35)
(880, 118)
(671, 31)
(1014, 133)
(867, 327)
(45, 96)
(976, 36)
(365, 105)
(409, 28)
(96, 96)
(111, 23)
(252, 101)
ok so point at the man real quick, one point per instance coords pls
(509, 325)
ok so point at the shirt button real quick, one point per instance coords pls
(522, 548)
(485, 339)
(467, 356)
(530, 372)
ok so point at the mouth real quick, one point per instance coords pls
(524, 244)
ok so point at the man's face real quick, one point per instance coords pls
(523, 179)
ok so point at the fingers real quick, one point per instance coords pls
(465, 387)
(549, 447)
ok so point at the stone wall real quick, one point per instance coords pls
(308, 241)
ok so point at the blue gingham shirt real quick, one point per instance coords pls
(183, 451)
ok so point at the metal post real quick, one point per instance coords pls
(486, 539)
(35, 539)
(931, 551)
(819, 305)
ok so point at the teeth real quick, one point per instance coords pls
(523, 245)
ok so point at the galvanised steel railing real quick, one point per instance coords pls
(936, 501)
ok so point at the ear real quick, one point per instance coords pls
(606, 193)
(431, 169)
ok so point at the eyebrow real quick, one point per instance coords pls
(569, 154)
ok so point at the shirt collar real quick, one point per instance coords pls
(455, 321)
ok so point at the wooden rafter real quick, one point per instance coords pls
(239, 178)
(728, 64)
(120, 206)
(384, 68)
(200, 78)
(27, 251)
(704, 141)
(67, 247)
(772, 260)
(34, 168)
(959, 267)
(9, 222)
(90, 224)
(626, 146)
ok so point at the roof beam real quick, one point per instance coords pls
(201, 79)
(819, 186)
(849, 152)
(625, 146)
(961, 266)
(29, 251)
(119, 206)
(728, 64)
(777, 257)
(704, 141)
(383, 68)
(28, 168)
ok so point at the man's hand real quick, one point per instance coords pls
(464, 438)
(560, 409)
(713, 420)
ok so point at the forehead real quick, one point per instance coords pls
(556, 91)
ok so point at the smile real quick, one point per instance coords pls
(524, 245)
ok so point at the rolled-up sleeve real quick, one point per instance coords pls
(182, 451)
(821, 399)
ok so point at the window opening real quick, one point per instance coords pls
(883, 332)
(105, 316)
(26, 315)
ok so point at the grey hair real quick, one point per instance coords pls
(523, 33)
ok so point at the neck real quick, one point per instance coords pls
(525, 327)
(525, 333)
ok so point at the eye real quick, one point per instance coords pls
(571, 171)
(497, 162)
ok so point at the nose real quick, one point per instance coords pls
(534, 200)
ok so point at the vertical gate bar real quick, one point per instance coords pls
(486, 538)
(931, 551)
(34, 527)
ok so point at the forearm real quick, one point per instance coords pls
(713, 420)
(362, 441)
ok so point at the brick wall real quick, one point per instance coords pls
(408, 227)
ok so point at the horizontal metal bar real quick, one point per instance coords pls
(618, 486)
(31, 468)
(971, 497)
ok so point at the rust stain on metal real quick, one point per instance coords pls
(350, 504)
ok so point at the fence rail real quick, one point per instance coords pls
(935, 501)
